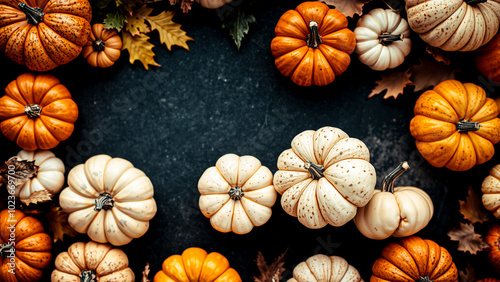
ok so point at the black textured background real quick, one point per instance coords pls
(176, 120)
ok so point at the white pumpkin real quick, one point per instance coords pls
(49, 175)
(398, 212)
(321, 268)
(237, 194)
(109, 199)
(454, 25)
(213, 4)
(382, 39)
(324, 177)
(491, 191)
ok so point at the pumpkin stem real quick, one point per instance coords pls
(33, 111)
(7, 250)
(313, 39)
(424, 279)
(34, 15)
(389, 180)
(105, 201)
(315, 170)
(99, 45)
(88, 276)
(386, 38)
(236, 193)
(474, 2)
(467, 125)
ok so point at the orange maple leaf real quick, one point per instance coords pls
(394, 83)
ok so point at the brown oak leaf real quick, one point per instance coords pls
(145, 273)
(430, 73)
(139, 49)
(467, 275)
(185, 4)
(16, 172)
(472, 209)
(136, 23)
(438, 55)
(272, 272)
(37, 197)
(58, 223)
(394, 83)
(468, 240)
(347, 7)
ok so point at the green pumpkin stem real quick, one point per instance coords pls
(7, 250)
(313, 39)
(386, 38)
(315, 170)
(99, 45)
(33, 111)
(388, 184)
(467, 125)
(88, 276)
(105, 201)
(34, 15)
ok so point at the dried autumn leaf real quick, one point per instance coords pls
(430, 73)
(145, 273)
(438, 55)
(17, 172)
(469, 275)
(468, 240)
(139, 49)
(58, 223)
(170, 32)
(38, 197)
(136, 24)
(272, 272)
(115, 20)
(472, 209)
(237, 22)
(347, 7)
(394, 83)
(185, 4)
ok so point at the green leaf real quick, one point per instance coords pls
(115, 20)
(237, 22)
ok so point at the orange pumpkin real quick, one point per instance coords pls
(414, 259)
(456, 125)
(196, 265)
(37, 112)
(488, 59)
(43, 34)
(312, 44)
(103, 47)
(493, 239)
(24, 261)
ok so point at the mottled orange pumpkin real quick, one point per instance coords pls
(43, 34)
(31, 252)
(103, 47)
(312, 44)
(456, 125)
(37, 112)
(488, 59)
(493, 239)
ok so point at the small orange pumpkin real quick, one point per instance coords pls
(103, 48)
(24, 261)
(488, 59)
(312, 44)
(37, 112)
(493, 239)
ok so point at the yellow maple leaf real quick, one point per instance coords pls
(135, 23)
(170, 32)
(139, 49)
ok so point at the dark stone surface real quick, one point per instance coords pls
(175, 121)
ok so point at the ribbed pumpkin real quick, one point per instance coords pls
(491, 191)
(456, 125)
(43, 34)
(37, 112)
(493, 239)
(414, 259)
(195, 265)
(31, 252)
(103, 47)
(325, 269)
(312, 44)
(488, 59)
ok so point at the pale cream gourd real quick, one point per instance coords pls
(92, 262)
(49, 173)
(491, 191)
(324, 177)
(454, 25)
(237, 194)
(382, 39)
(321, 268)
(213, 4)
(398, 212)
(109, 199)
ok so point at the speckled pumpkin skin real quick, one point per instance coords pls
(493, 239)
(412, 259)
(56, 40)
(32, 250)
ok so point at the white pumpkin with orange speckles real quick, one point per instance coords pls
(491, 191)
(324, 177)
(237, 194)
(92, 262)
(325, 269)
(454, 25)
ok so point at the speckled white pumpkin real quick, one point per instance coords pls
(491, 191)
(324, 177)
(454, 25)
(237, 194)
(321, 268)
(382, 39)
(109, 199)
(49, 175)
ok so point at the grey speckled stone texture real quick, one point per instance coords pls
(176, 120)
